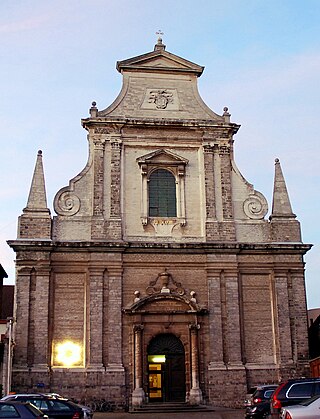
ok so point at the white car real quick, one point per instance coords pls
(308, 409)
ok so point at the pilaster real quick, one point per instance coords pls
(40, 318)
(210, 193)
(114, 224)
(21, 328)
(95, 337)
(231, 320)
(97, 227)
(227, 227)
(283, 335)
(215, 321)
(298, 314)
(115, 318)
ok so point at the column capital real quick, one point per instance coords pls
(194, 327)
(138, 328)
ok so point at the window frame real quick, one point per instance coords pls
(176, 165)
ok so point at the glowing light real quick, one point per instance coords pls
(68, 353)
(157, 358)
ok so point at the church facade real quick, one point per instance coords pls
(160, 277)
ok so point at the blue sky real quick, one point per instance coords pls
(262, 60)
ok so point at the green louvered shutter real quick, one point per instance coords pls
(162, 194)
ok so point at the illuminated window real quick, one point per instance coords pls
(68, 354)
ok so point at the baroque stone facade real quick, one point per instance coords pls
(159, 278)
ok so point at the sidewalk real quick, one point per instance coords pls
(218, 413)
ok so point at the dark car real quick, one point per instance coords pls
(249, 394)
(53, 407)
(291, 392)
(259, 403)
(20, 410)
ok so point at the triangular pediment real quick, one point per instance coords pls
(162, 156)
(159, 59)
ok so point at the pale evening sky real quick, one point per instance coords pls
(262, 60)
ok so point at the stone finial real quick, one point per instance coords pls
(226, 114)
(93, 110)
(159, 45)
(136, 296)
(193, 296)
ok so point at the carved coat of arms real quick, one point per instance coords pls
(161, 98)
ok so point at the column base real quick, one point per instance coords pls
(195, 396)
(115, 368)
(138, 397)
(95, 367)
(39, 368)
(217, 366)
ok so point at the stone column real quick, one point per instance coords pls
(115, 319)
(138, 395)
(40, 318)
(95, 339)
(195, 391)
(215, 321)
(97, 228)
(21, 328)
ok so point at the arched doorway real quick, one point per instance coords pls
(166, 369)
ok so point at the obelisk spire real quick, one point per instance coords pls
(281, 206)
(37, 200)
(35, 221)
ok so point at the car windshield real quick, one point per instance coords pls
(309, 401)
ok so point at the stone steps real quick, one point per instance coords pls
(170, 407)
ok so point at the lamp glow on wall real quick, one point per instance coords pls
(68, 354)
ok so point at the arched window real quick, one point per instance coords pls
(162, 194)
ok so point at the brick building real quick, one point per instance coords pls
(159, 278)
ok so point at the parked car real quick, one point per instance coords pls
(20, 410)
(292, 392)
(308, 409)
(87, 411)
(55, 408)
(259, 407)
(247, 401)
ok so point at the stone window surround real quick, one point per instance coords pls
(177, 168)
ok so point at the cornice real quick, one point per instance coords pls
(151, 247)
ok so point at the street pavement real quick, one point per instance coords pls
(217, 413)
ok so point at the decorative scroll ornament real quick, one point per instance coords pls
(166, 285)
(161, 98)
(67, 204)
(256, 206)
